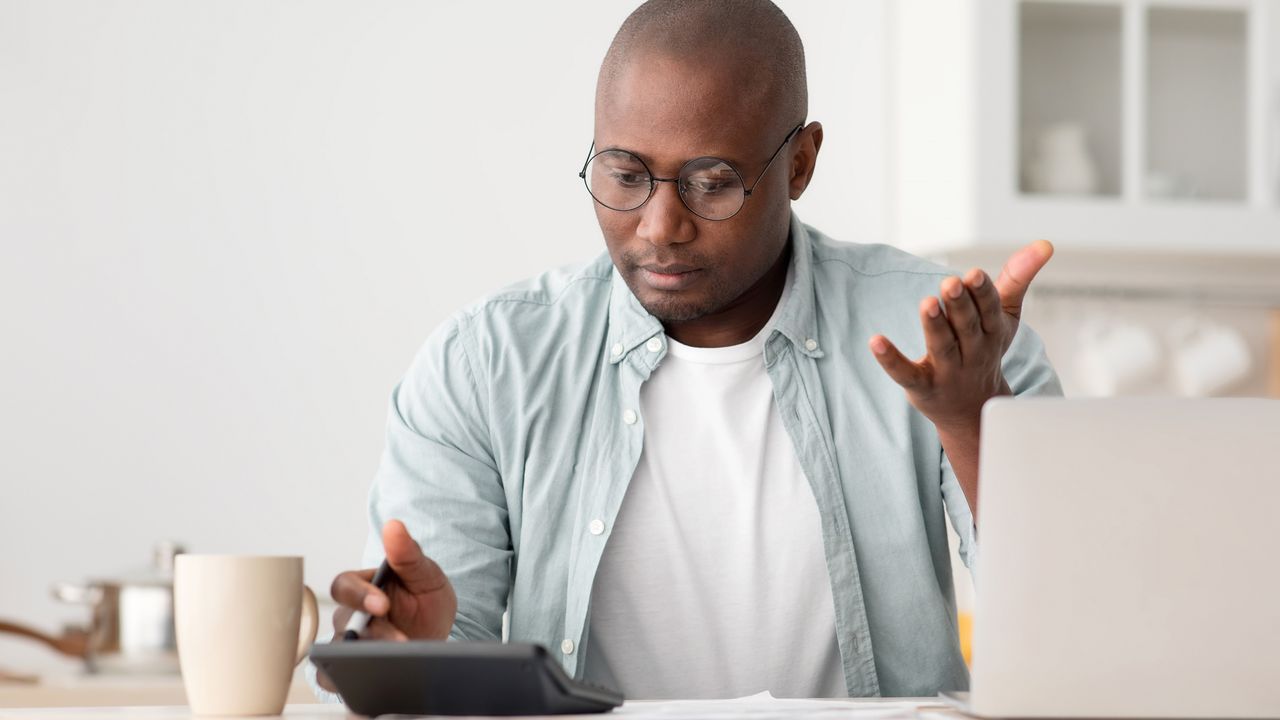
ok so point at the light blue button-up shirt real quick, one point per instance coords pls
(517, 426)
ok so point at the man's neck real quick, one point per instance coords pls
(740, 320)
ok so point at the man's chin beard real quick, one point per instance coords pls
(675, 312)
(671, 308)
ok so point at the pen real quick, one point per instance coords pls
(360, 619)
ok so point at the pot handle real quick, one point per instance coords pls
(74, 641)
(78, 594)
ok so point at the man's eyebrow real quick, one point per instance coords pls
(737, 164)
(606, 148)
(598, 148)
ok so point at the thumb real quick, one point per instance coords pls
(417, 573)
(1018, 272)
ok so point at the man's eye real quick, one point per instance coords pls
(629, 178)
(707, 186)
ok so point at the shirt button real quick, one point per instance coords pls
(810, 344)
(596, 527)
(654, 345)
(629, 417)
(566, 646)
(617, 349)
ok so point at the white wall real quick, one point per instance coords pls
(225, 228)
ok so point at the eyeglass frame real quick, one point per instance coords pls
(654, 180)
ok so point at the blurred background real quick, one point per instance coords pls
(225, 227)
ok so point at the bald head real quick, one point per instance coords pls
(750, 43)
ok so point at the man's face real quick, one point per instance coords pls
(669, 111)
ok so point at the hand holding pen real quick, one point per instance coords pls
(408, 597)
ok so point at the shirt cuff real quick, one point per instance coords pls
(322, 695)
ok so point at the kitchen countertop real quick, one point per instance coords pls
(108, 690)
(311, 711)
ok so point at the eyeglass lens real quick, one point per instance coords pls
(709, 187)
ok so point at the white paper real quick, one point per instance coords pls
(762, 706)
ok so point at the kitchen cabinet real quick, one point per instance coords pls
(1130, 125)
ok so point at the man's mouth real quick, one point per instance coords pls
(669, 277)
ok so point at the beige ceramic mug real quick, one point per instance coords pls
(243, 624)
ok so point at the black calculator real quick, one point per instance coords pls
(436, 677)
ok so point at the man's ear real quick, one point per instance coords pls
(805, 158)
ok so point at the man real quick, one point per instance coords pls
(695, 467)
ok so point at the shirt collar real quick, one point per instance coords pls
(798, 320)
(630, 325)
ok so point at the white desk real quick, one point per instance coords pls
(746, 709)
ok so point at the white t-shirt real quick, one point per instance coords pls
(713, 582)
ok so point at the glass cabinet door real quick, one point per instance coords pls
(1070, 72)
(1271, 88)
(1196, 104)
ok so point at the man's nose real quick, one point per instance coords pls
(664, 219)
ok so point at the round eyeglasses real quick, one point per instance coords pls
(710, 187)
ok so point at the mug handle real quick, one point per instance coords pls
(309, 625)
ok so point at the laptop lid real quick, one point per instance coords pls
(1128, 559)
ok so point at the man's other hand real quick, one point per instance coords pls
(966, 335)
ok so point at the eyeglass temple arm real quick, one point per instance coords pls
(583, 172)
(746, 192)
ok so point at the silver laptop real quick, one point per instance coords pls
(1128, 559)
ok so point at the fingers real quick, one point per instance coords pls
(418, 573)
(1020, 269)
(961, 319)
(973, 313)
(382, 629)
(986, 298)
(340, 618)
(903, 371)
(353, 589)
(378, 628)
(939, 339)
(323, 681)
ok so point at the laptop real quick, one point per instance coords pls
(1128, 560)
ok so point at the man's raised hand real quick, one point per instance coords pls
(966, 336)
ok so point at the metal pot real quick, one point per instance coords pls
(130, 629)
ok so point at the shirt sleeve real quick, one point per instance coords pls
(1029, 373)
(439, 477)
